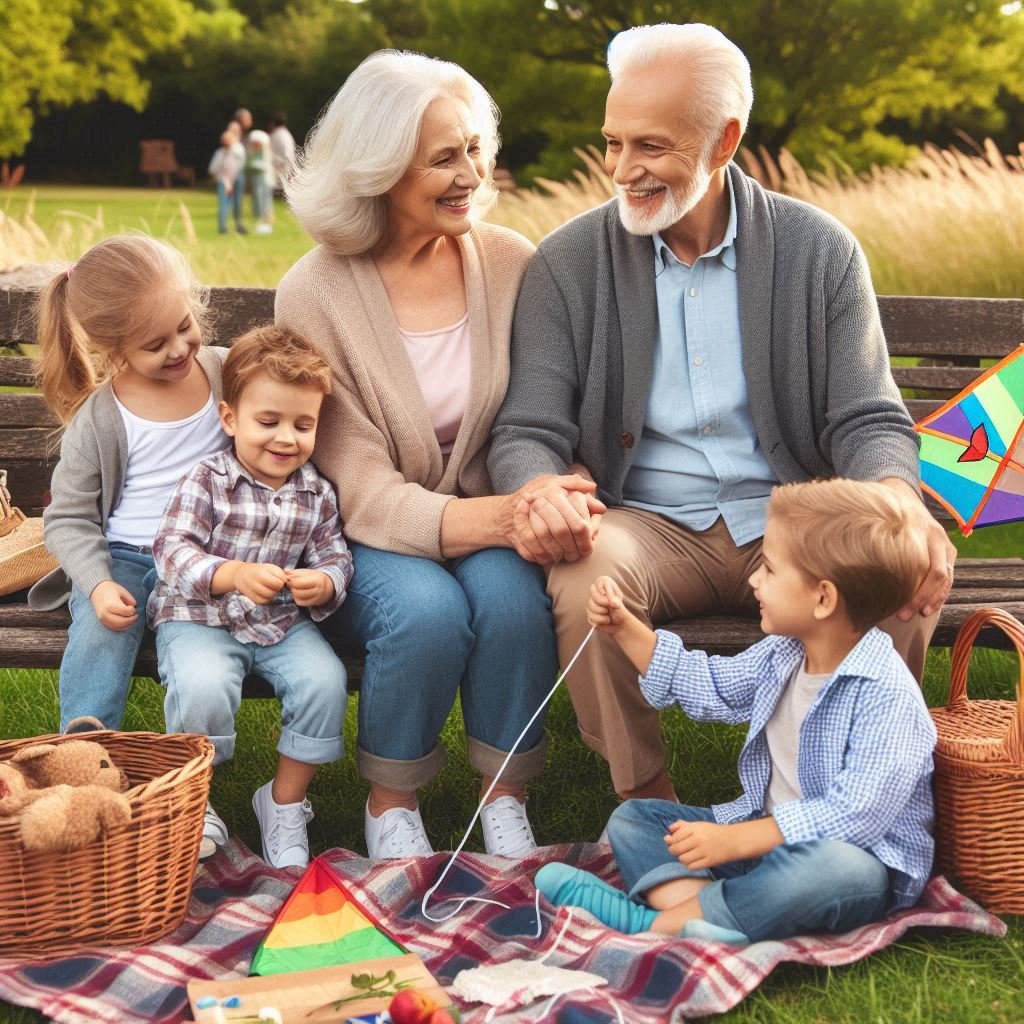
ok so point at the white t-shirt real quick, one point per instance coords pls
(442, 363)
(783, 735)
(159, 455)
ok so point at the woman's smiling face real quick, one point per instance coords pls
(434, 196)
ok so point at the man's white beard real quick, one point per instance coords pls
(675, 204)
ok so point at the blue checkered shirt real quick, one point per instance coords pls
(865, 754)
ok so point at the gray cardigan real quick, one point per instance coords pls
(86, 488)
(821, 393)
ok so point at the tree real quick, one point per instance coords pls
(58, 52)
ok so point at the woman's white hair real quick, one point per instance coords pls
(718, 67)
(366, 139)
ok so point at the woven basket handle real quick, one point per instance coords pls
(1013, 742)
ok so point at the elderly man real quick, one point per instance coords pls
(686, 347)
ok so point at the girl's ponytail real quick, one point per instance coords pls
(64, 369)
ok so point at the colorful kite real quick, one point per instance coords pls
(321, 925)
(972, 448)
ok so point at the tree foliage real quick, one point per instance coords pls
(58, 52)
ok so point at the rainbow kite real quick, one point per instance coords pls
(972, 448)
(321, 925)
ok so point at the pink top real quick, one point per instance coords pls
(441, 361)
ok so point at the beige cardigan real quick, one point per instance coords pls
(375, 441)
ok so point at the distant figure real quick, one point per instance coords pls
(225, 168)
(260, 172)
(282, 149)
(243, 120)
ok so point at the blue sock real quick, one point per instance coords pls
(566, 886)
(698, 928)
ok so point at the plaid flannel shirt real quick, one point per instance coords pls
(865, 753)
(218, 513)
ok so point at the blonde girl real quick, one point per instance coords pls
(122, 364)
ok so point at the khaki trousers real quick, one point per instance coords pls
(666, 572)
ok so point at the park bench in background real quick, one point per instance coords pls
(948, 335)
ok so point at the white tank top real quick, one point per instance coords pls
(442, 364)
(159, 455)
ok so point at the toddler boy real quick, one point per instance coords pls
(833, 828)
(249, 550)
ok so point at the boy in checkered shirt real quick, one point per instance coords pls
(834, 825)
(250, 554)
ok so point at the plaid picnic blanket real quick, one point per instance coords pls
(650, 979)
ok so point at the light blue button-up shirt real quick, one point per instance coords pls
(699, 457)
(864, 759)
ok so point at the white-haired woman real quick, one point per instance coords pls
(410, 298)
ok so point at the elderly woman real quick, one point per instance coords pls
(410, 298)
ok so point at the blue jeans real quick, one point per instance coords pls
(480, 625)
(237, 196)
(226, 203)
(203, 668)
(824, 885)
(96, 670)
(262, 197)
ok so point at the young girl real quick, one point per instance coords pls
(122, 364)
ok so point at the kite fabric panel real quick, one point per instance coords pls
(321, 925)
(972, 448)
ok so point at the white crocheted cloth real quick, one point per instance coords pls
(521, 981)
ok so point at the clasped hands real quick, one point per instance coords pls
(706, 844)
(556, 518)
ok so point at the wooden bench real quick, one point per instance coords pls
(950, 335)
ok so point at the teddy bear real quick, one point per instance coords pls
(65, 794)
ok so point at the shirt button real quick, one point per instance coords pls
(707, 430)
(698, 361)
(693, 291)
(627, 440)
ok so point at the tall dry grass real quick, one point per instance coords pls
(951, 223)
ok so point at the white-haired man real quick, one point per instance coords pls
(688, 346)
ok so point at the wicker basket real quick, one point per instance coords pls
(979, 779)
(129, 888)
(23, 559)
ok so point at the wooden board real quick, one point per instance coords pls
(308, 997)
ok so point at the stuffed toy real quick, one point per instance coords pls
(65, 794)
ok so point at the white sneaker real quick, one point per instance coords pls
(396, 833)
(282, 829)
(215, 833)
(264, 229)
(507, 831)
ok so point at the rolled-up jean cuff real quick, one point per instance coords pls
(310, 749)
(487, 760)
(404, 775)
(666, 873)
(714, 908)
(223, 747)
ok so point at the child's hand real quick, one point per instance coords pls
(310, 587)
(259, 581)
(701, 844)
(605, 610)
(114, 606)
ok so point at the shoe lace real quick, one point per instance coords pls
(288, 827)
(510, 824)
(404, 835)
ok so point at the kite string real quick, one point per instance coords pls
(477, 899)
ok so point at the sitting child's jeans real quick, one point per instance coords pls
(203, 668)
(96, 670)
(823, 885)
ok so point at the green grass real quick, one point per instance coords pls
(928, 976)
(73, 218)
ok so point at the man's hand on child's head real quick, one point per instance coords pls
(114, 606)
(259, 581)
(606, 610)
(310, 587)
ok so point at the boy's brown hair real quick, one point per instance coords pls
(860, 536)
(282, 354)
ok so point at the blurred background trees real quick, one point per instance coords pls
(840, 83)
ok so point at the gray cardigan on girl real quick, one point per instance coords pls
(815, 362)
(86, 488)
